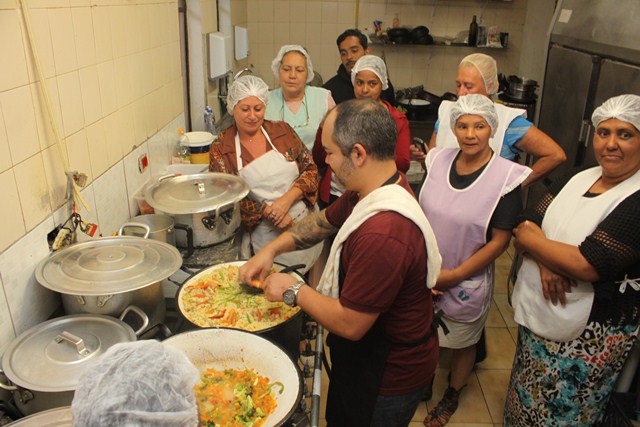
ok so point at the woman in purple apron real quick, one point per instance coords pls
(272, 159)
(471, 197)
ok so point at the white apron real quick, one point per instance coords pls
(269, 177)
(446, 138)
(570, 218)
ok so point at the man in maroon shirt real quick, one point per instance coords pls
(383, 351)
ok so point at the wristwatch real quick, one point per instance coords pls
(290, 295)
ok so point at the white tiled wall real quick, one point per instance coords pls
(112, 70)
(317, 24)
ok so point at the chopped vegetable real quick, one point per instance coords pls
(235, 398)
(216, 300)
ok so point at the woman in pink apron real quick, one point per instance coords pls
(471, 197)
(279, 169)
(577, 295)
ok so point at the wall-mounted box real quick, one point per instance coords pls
(220, 59)
(241, 37)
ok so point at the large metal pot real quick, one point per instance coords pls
(157, 227)
(286, 334)
(104, 276)
(209, 203)
(521, 89)
(231, 348)
(45, 362)
(57, 417)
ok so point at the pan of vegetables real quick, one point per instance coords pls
(214, 298)
(244, 378)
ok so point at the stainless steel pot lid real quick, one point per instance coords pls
(111, 265)
(202, 192)
(56, 417)
(52, 356)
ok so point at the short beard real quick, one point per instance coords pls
(346, 170)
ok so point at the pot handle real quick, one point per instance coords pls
(75, 340)
(163, 177)
(139, 312)
(147, 229)
(7, 386)
(189, 232)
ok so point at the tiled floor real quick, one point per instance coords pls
(482, 401)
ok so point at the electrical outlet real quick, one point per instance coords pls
(143, 162)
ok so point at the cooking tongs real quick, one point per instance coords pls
(255, 287)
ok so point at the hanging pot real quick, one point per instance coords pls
(234, 349)
(209, 203)
(45, 363)
(104, 276)
(284, 332)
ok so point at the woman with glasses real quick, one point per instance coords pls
(302, 106)
(369, 78)
(271, 158)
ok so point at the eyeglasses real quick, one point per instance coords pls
(306, 111)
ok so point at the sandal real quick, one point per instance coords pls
(440, 415)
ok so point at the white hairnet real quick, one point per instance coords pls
(475, 104)
(374, 64)
(624, 107)
(275, 64)
(487, 68)
(245, 87)
(143, 383)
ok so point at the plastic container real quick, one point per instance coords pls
(209, 121)
(182, 149)
(199, 144)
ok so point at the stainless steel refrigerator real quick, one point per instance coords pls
(594, 54)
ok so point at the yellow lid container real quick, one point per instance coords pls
(199, 144)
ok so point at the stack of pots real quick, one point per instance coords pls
(104, 276)
(208, 203)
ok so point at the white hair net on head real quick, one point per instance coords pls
(143, 383)
(374, 64)
(624, 107)
(487, 68)
(478, 105)
(275, 64)
(245, 87)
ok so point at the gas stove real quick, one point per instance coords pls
(226, 251)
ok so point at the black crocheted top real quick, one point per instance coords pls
(613, 249)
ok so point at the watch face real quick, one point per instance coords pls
(289, 297)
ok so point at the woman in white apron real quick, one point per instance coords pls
(279, 169)
(471, 197)
(577, 295)
(478, 73)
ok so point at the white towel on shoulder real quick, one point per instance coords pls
(386, 198)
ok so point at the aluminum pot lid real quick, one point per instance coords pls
(56, 417)
(189, 194)
(52, 356)
(107, 266)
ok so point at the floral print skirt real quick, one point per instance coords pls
(565, 383)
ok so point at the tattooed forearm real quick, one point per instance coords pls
(311, 230)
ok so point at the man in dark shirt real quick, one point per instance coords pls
(352, 45)
(374, 298)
